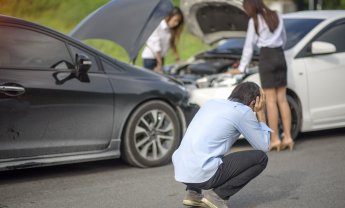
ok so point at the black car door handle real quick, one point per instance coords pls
(12, 89)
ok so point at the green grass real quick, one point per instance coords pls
(64, 15)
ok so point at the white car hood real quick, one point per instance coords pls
(200, 96)
(222, 90)
(213, 20)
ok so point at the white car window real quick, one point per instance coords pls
(296, 29)
(335, 35)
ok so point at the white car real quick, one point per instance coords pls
(315, 55)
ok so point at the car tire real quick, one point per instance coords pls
(151, 136)
(296, 118)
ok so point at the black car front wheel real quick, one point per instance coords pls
(151, 136)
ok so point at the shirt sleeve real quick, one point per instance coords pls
(255, 132)
(248, 47)
(153, 43)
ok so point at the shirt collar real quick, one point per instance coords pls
(235, 100)
(164, 25)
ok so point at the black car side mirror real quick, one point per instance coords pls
(82, 66)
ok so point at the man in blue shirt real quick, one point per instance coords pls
(200, 161)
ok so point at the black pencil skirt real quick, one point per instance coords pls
(272, 68)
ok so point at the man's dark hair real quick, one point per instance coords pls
(245, 92)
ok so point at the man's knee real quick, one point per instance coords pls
(262, 158)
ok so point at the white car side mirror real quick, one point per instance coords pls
(319, 47)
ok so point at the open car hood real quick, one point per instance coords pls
(128, 23)
(213, 20)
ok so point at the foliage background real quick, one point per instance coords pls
(64, 15)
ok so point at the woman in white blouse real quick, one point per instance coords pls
(164, 37)
(266, 30)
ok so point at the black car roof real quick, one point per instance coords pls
(18, 21)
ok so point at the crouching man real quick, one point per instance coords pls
(200, 161)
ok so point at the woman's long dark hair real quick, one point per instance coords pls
(176, 31)
(255, 7)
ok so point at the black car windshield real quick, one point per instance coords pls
(296, 29)
(231, 43)
(233, 46)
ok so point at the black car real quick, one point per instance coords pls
(62, 101)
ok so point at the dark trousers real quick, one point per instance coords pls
(234, 173)
(151, 63)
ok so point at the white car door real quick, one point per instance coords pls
(325, 77)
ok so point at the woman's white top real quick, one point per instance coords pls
(159, 41)
(265, 39)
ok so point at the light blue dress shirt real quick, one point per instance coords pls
(210, 135)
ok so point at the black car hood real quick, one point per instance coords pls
(141, 73)
(128, 23)
(213, 20)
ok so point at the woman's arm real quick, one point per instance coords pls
(248, 47)
(159, 65)
(175, 52)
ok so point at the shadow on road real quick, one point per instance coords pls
(322, 134)
(307, 136)
(68, 170)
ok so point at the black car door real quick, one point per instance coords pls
(44, 110)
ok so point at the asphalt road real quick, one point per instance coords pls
(313, 175)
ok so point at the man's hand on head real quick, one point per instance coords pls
(259, 107)
(260, 102)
